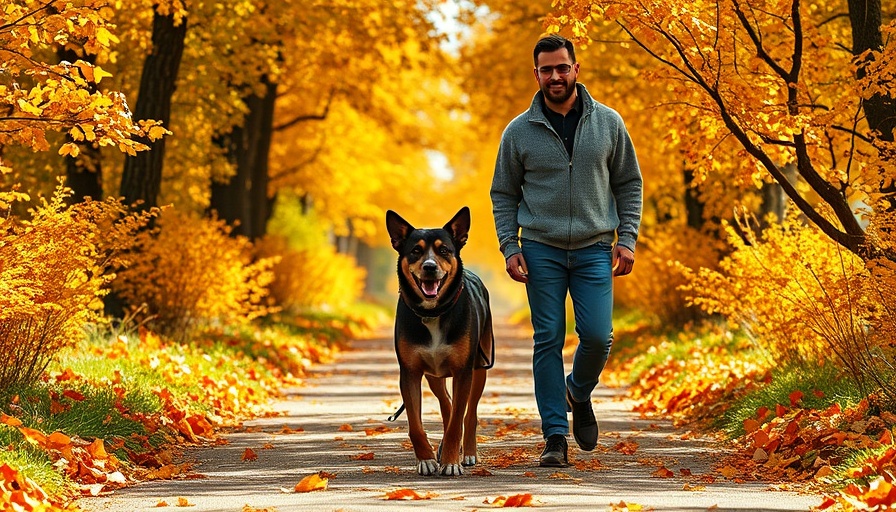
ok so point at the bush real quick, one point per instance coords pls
(804, 299)
(189, 273)
(315, 277)
(53, 277)
(654, 285)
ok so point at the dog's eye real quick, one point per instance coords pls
(416, 251)
(444, 251)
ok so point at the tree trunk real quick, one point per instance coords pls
(880, 110)
(243, 201)
(693, 205)
(83, 174)
(142, 176)
(262, 200)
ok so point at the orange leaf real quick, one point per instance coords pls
(58, 440)
(886, 437)
(184, 502)
(249, 455)
(34, 436)
(363, 456)
(97, 449)
(780, 410)
(728, 471)
(74, 395)
(345, 428)
(406, 494)
(663, 472)
(10, 420)
(517, 500)
(750, 425)
(312, 483)
(795, 397)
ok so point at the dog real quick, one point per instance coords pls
(443, 328)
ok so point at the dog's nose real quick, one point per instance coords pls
(429, 266)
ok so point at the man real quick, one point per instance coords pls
(566, 197)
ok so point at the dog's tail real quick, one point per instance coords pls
(396, 414)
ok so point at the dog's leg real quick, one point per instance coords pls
(411, 394)
(471, 419)
(450, 461)
(440, 390)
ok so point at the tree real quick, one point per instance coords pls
(41, 95)
(142, 175)
(771, 76)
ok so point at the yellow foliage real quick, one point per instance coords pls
(802, 297)
(315, 277)
(190, 273)
(53, 277)
(654, 285)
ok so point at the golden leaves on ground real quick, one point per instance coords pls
(21, 494)
(311, 483)
(517, 500)
(408, 494)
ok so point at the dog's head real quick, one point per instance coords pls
(429, 264)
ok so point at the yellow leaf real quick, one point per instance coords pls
(312, 483)
(100, 73)
(104, 37)
(157, 132)
(69, 149)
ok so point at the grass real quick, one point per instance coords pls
(116, 379)
(821, 386)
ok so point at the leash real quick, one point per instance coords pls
(396, 414)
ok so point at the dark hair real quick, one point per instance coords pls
(553, 43)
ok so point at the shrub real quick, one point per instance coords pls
(803, 298)
(654, 285)
(53, 277)
(314, 277)
(189, 273)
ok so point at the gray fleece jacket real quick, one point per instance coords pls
(539, 193)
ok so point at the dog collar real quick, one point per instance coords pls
(435, 312)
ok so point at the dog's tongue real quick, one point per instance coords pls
(430, 288)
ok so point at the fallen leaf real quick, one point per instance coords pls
(10, 420)
(184, 502)
(363, 456)
(312, 483)
(407, 494)
(663, 472)
(249, 455)
(162, 503)
(517, 500)
(345, 428)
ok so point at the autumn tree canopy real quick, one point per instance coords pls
(759, 86)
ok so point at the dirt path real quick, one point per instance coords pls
(361, 390)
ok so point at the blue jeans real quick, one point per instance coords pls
(587, 275)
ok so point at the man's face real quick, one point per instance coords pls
(556, 75)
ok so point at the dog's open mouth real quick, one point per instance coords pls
(429, 287)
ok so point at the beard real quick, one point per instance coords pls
(558, 96)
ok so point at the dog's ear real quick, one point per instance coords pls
(459, 227)
(398, 228)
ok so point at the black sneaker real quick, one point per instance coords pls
(554, 454)
(584, 426)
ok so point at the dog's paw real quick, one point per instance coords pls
(427, 467)
(469, 460)
(452, 470)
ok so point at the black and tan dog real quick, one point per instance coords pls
(443, 328)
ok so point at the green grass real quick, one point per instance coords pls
(812, 380)
(31, 462)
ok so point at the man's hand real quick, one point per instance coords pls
(623, 260)
(516, 268)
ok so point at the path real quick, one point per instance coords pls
(361, 390)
